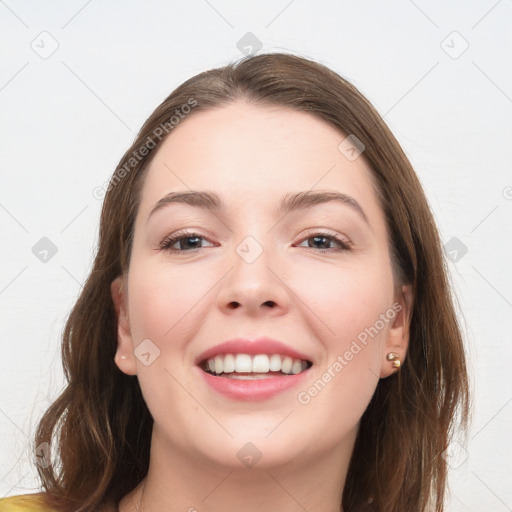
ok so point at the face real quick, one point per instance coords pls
(315, 276)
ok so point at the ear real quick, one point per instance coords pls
(124, 358)
(397, 340)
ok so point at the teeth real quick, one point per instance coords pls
(219, 363)
(286, 365)
(243, 364)
(257, 364)
(275, 363)
(260, 364)
(296, 366)
(229, 363)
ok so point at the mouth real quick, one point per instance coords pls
(249, 370)
(253, 367)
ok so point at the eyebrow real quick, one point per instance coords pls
(289, 203)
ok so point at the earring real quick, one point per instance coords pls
(395, 358)
(124, 357)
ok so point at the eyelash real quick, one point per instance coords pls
(167, 243)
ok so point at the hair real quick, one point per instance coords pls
(397, 462)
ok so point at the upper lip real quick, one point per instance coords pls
(252, 347)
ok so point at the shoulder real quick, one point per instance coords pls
(24, 503)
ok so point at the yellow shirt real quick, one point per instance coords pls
(24, 503)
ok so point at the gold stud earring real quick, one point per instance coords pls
(395, 358)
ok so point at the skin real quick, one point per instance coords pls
(320, 301)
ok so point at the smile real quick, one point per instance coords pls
(248, 378)
(258, 366)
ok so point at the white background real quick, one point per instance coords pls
(67, 119)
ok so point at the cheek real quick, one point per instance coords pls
(162, 302)
(343, 301)
(350, 307)
(164, 307)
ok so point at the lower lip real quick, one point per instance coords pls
(252, 390)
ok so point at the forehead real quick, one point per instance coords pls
(256, 154)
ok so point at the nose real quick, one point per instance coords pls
(254, 288)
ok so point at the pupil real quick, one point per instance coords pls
(196, 238)
(317, 238)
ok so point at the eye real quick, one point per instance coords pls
(183, 242)
(191, 242)
(322, 242)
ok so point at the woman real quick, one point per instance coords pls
(268, 323)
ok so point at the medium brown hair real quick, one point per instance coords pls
(100, 427)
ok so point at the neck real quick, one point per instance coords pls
(178, 482)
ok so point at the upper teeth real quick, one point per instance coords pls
(260, 363)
